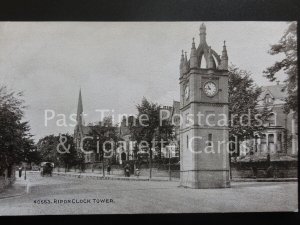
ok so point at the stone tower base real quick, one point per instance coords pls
(205, 179)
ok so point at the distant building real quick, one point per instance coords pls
(123, 149)
(174, 119)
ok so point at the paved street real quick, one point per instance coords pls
(70, 195)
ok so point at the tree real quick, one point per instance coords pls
(103, 132)
(47, 148)
(246, 118)
(68, 156)
(16, 142)
(30, 152)
(71, 157)
(288, 46)
(148, 127)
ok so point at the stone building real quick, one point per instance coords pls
(280, 137)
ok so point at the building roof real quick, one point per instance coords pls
(277, 92)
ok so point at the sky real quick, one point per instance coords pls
(115, 63)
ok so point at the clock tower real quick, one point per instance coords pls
(204, 161)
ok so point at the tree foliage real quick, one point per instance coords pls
(287, 45)
(245, 117)
(48, 149)
(16, 143)
(104, 132)
(148, 127)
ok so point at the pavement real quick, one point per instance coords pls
(66, 195)
(98, 176)
(18, 188)
(113, 177)
(265, 180)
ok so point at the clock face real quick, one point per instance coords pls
(210, 89)
(187, 92)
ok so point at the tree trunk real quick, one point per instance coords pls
(103, 170)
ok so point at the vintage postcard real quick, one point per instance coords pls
(148, 117)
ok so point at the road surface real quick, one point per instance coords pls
(71, 195)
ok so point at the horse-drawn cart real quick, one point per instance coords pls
(47, 168)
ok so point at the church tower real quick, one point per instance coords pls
(79, 128)
(204, 137)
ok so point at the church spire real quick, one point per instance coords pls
(202, 34)
(79, 118)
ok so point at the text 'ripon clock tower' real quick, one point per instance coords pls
(204, 161)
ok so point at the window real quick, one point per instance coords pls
(255, 142)
(279, 142)
(209, 143)
(271, 139)
(279, 137)
(187, 120)
(272, 119)
(187, 141)
(263, 139)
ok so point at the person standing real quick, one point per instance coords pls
(137, 172)
(108, 169)
(127, 170)
(20, 171)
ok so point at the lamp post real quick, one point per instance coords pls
(57, 160)
(103, 170)
(169, 163)
(25, 168)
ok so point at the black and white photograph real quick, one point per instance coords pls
(148, 117)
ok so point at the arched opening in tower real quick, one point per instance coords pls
(202, 62)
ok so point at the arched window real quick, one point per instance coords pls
(123, 156)
(272, 119)
(268, 99)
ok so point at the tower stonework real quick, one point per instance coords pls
(204, 135)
